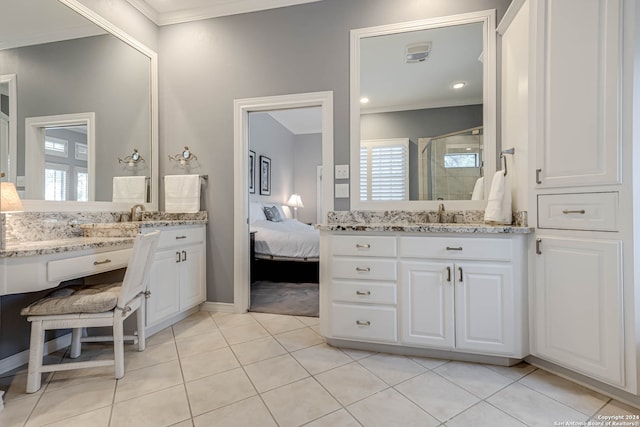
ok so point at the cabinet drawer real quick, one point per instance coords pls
(582, 211)
(364, 245)
(363, 268)
(456, 248)
(180, 236)
(364, 323)
(87, 265)
(365, 292)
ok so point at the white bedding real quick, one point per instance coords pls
(286, 239)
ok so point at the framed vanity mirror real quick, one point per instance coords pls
(423, 113)
(80, 94)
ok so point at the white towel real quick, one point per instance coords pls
(182, 193)
(498, 209)
(478, 189)
(129, 189)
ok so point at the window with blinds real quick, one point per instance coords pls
(384, 169)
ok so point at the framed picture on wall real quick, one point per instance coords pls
(265, 176)
(252, 172)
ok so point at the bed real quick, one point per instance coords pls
(284, 249)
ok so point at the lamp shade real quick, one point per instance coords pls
(295, 201)
(9, 199)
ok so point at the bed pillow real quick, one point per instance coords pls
(272, 214)
(256, 213)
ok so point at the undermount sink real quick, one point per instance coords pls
(111, 229)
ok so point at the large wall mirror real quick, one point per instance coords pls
(423, 113)
(79, 98)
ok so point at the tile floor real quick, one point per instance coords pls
(219, 369)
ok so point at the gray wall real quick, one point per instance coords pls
(98, 74)
(307, 154)
(416, 124)
(205, 65)
(267, 137)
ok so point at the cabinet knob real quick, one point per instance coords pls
(363, 269)
(363, 323)
(363, 293)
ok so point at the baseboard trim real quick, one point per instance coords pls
(22, 358)
(223, 307)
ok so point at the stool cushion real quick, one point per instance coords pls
(76, 299)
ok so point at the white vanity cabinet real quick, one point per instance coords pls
(441, 292)
(177, 277)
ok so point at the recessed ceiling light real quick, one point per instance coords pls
(458, 85)
(364, 100)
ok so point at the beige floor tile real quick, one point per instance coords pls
(392, 369)
(257, 350)
(390, 408)
(617, 408)
(475, 378)
(571, 394)
(204, 343)
(15, 387)
(429, 362)
(340, 418)
(356, 354)
(514, 372)
(146, 380)
(196, 324)
(300, 402)
(215, 391)
(16, 411)
(161, 337)
(278, 371)
(309, 321)
(244, 333)
(299, 339)
(437, 396)
(533, 408)
(316, 329)
(263, 316)
(205, 364)
(159, 409)
(484, 414)
(249, 412)
(72, 401)
(185, 423)
(98, 418)
(160, 353)
(320, 358)
(280, 324)
(350, 383)
(62, 379)
(234, 320)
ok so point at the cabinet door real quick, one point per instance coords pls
(577, 92)
(192, 279)
(484, 301)
(578, 306)
(427, 303)
(164, 285)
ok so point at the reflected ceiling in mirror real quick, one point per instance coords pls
(64, 65)
(418, 80)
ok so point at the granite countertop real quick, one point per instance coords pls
(45, 247)
(427, 228)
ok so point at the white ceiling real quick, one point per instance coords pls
(165, 12)
(300, 121)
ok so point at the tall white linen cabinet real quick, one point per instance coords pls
(570, 103)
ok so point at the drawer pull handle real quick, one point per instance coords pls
(567, 211)
(106, 261)
(538, 172)
(449, 248)
(180, 237)
(363, 323)
(448, 274)
(363, 269)
(363, 292)
(363, 246)
(538, 245)
(460, 269)
(184, 256)
(177, 256)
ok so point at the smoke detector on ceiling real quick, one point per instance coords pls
(417, 52)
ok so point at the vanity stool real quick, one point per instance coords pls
(79, 307)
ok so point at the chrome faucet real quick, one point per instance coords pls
(440, 212)
(133, 214)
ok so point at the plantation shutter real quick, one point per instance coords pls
(384, 169)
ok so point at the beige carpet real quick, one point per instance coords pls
(297, 299)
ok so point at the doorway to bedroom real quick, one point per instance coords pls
(282, 143)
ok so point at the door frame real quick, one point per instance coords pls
(241, 110)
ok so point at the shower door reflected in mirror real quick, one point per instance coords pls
(451, 165)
